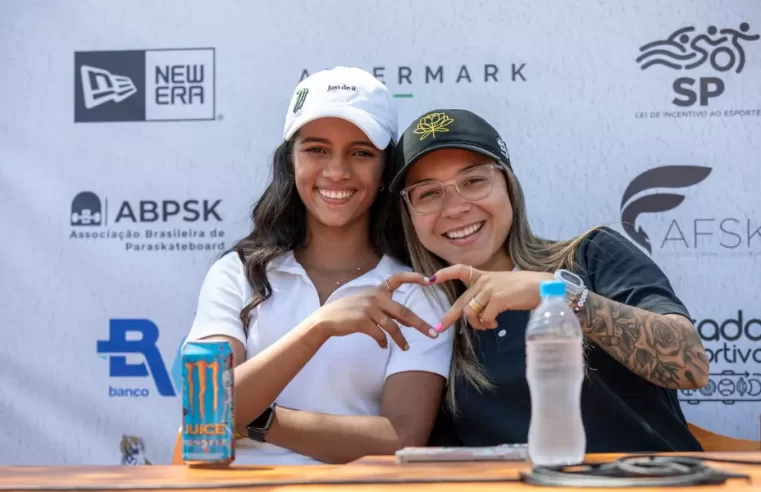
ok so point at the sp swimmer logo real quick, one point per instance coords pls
(707, 53)
(119, 346)
(671, 177)
(144, 85)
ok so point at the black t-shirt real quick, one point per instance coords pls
(622, 412)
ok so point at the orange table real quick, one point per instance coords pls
(370, 469)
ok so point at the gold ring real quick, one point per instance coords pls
(475, 306)
(470, 272)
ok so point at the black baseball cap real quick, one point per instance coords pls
(446, 129)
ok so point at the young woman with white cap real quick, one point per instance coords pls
(332, 333)
(466, 224)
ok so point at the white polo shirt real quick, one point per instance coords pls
(346, 376)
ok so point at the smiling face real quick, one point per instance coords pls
(470, 232)
(337, 171)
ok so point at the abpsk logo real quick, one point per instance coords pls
(652, 180)
(144, 85)
(167, 225)
(687, 49)
(86, 210)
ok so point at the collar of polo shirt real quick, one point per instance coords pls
(386, 267)
(347, 374)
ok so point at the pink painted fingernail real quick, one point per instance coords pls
(438, 328)
(432, 279)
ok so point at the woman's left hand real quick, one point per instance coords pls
(489, 294)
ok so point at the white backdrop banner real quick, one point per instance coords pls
(136, 136)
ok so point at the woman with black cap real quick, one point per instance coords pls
(466, 226)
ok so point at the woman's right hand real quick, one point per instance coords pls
(374, 313)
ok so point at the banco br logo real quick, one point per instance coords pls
(144, 85)
(118, 346)
(688, 49)
(657, 178)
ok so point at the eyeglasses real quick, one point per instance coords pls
(474, 184)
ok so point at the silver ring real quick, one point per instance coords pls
(385, 282)
(383, 320)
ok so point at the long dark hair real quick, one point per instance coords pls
(279, 224)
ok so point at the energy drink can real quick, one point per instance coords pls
(208, 426)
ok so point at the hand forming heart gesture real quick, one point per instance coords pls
(374, 313)
(489, 294)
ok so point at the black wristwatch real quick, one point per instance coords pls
(257, 429)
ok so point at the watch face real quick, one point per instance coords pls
(262, 422)
(570, 278)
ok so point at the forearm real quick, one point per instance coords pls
(259, 380)
(665, 350)
(334, 438)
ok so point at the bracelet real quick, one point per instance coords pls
(582, 299)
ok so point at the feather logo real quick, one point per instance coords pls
(659, 177)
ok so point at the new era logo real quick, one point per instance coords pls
(144, 85)
(100, 86)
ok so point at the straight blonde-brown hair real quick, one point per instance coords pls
(527, 251)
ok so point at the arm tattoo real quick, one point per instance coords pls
(662, 349)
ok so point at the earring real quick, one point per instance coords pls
(381, 187)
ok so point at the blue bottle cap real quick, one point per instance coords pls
(552, 288)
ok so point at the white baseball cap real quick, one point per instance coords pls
(349, 93)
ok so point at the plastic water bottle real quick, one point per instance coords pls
(555, 373)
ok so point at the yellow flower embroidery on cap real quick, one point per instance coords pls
(432, 123)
